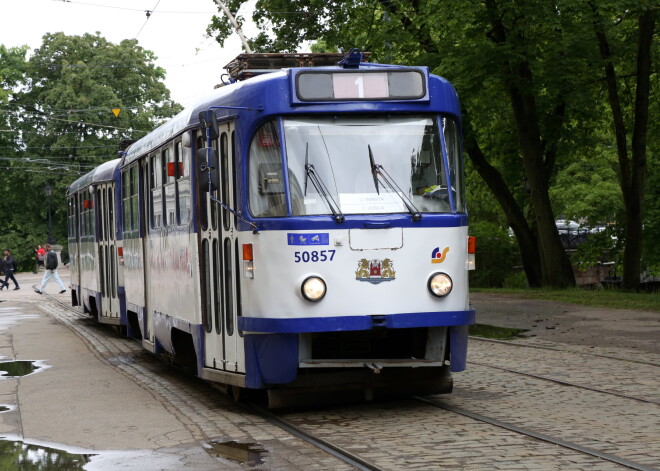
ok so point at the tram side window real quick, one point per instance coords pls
(130, 199)
(183, 183)
(135, 219)
(453, 144)
(71, 218)
(169, 187)
(156, 181)
(267, 196)
(111, 215)
(125, 198)
(429, 176)
(100, 199)
(90, 215)
(225, 178)
(81, 214)
(203, 210)
(236, 176)
(214, 207)
(87, 211)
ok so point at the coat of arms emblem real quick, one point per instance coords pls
(375, 271)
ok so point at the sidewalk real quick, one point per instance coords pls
(28, 281)
(77, 400)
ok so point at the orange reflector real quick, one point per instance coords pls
(88, 204)
(247, 252)
(472, 244)
(120, 251)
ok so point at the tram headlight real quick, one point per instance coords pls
(313, 289)
(440, 285)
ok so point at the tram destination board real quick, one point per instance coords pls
(401, 84)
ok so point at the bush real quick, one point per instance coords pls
(496, 257)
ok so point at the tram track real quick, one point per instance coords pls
(538, 436)
(564, 383)
(271, 418)
(357, 462)
(544, 347)
(334, 450)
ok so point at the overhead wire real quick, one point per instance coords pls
(149, 13)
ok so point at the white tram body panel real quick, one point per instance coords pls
(367, 271)
(173, 291)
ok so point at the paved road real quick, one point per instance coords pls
(94, 396)
(570, 323)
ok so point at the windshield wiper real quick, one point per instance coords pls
(321, 189)
(379, 172)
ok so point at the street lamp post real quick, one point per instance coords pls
(48, 191)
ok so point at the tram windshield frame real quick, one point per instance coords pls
(342, 153)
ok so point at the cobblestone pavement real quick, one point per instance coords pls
(411, 435)
(429, 438)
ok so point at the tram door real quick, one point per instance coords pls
(107, 247)
(219, 257)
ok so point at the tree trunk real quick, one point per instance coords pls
(517, 76)
(529, 250)
(632, 172)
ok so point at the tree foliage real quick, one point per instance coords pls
(61, 124)
(533, 86)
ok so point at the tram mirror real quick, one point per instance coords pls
(207, 170)
(210, 123)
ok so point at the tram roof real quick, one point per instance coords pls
(189, 117)
(256, 92)
(101, 174)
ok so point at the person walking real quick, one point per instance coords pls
(51, 271)
(10, 268)
(41, 256)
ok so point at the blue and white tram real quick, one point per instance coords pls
(303, 230)
(95, 245)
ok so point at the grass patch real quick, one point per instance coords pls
(493, 332)
(610, 299)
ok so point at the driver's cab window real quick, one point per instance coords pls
(267, 189)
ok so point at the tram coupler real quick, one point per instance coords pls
(376, 368)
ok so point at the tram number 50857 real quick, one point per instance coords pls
(314, 256)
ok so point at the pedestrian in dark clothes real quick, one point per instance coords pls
(10, 268)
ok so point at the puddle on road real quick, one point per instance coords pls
(19, 454)
(9, 319)
(494, 332)
(16, 455)
(18, 368)
(243, 453)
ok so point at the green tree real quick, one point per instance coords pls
(629, 103)
(524, 71)
(63, 124)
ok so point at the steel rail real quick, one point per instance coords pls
(543, 347)
(565, 383)
(539, 436)
(338, 452)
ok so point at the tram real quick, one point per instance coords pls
(302, 229)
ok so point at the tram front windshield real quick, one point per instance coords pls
(357, 166)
